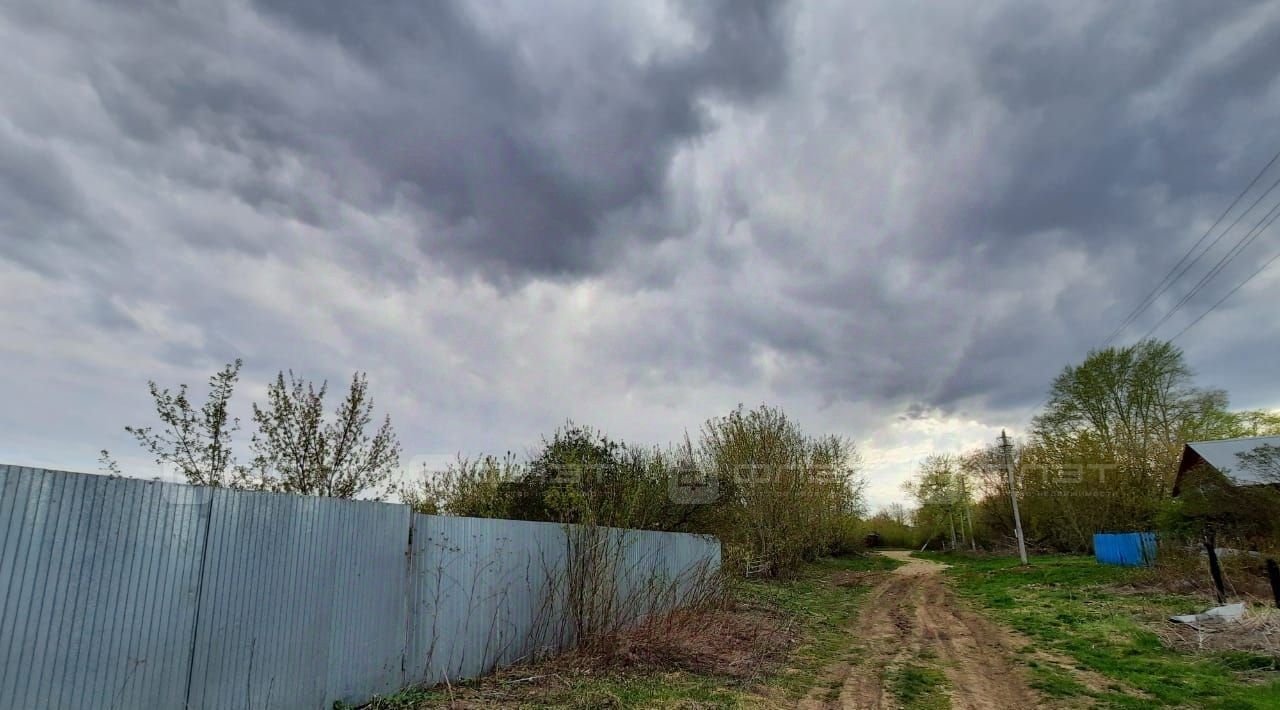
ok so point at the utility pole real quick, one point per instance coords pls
(1007, 448)
(968, 512)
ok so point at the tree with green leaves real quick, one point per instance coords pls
(297, 450)
(1249, 422)
(1133, 407)
(775, 495)
(480, 487)
(892, 526)
(197, 442)
(575, 477)
(944, 492)
(1103, 454)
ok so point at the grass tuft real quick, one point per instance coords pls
(919, 687)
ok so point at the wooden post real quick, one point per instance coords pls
(1214, 570)
(1273, 573)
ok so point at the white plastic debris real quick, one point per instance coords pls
(1216, 615)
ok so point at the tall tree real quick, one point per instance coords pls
(196, 442)
(896, 512)
(943, 495)
(1254, 422)
(1103, 454)
(576, 477)
(297, 451)
(1135, 406)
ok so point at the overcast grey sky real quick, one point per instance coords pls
(897, 220)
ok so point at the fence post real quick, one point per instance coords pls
(195, 624)
(410, 608)
(1214, 570)
(1273, 574)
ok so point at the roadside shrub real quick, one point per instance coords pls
(787, 496)
(773, 495)
(891, 532)
(476, 488)
(849, 536)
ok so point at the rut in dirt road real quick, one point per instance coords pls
(911, 615)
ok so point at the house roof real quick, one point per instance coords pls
(1224, 455)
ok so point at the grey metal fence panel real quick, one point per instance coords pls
(120, 593)
(691, 560)
(656, 572)
(302, 602)
(261, 635)
(369, 635)
(637, 562)
(485, 595)
(489, 593)
(98, 582)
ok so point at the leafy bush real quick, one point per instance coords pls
(774, 495)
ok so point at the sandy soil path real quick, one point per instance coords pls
(910, 614)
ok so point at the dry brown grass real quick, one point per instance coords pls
(1258, 632)
(1185, 570)
(737, 642)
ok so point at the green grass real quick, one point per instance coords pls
(1072, 607)
(919, 686)
(821, 610)
(588, 691)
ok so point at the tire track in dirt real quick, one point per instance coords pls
(910, 613)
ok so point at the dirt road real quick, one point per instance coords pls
(912, 622)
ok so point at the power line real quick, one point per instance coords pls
(1248, 239)
(1230, 293)
(1178, 270)
(1206, 251)
(1166, 282)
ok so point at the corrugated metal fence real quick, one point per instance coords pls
(1128, 549)
(123, 593)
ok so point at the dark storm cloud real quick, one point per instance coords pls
(42, 212)
(1119, 139)
(1102, 117)
(1108, 137)
(517, 172)
(644, 212)
(470, 133)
